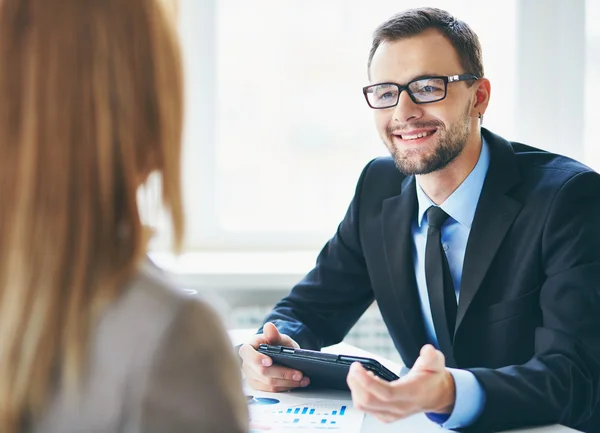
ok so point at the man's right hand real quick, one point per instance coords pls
(259, 370)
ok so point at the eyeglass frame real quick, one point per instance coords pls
(447, 79)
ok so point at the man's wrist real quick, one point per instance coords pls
(448, 395)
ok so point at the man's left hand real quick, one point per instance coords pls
(428, 387)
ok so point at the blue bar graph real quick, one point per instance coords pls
(320, 415)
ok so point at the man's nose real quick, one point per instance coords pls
(406, 109)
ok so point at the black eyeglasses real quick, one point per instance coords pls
(422, 90)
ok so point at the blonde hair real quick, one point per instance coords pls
(90, 105)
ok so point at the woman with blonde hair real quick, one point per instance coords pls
(91, 338)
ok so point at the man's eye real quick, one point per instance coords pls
(430, 89)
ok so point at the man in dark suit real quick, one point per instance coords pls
(482, 254)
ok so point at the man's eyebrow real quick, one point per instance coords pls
(429, 75)
(418, 77)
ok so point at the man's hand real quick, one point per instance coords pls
(428, 387)
(259, 370)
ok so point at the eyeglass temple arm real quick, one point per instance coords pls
(461, 77)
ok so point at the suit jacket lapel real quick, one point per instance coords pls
(495, 214)
(398, 214)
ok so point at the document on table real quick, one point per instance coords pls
(283, 412)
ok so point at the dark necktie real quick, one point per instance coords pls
(442, 297)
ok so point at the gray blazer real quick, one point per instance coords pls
(159, 361)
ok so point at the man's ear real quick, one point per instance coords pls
(482, 97)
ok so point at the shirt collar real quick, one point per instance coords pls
(462, 203)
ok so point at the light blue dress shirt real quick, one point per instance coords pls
(460, 205)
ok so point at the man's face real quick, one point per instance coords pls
(422, 138)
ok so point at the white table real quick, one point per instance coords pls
(417, 423)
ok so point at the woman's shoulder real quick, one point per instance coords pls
(148, 306)
(144, 337)
(193, 380)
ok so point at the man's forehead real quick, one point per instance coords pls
(429, 53)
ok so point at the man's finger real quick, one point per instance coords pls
(283, 373)
(389, 417)
(254, 369)
(386, 415)
(260, 386)
(364, 401)
(376, 387)
(282, 379)
(380, 398)
(250, 355)
(293, 377)
(257, 364)
(275, 378)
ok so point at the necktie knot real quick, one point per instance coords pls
(436, 217)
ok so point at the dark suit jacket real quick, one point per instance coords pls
(528, 323)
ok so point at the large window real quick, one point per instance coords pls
(277, 129)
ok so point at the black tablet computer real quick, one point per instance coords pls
(325, 370)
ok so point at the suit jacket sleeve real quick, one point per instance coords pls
(321, 309)
(561, 383)
(195, 383)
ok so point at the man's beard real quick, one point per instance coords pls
(450, 144)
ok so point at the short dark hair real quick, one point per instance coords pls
(415, 21)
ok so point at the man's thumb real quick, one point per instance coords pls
(430, 359)
(271, 333)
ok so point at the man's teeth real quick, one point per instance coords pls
(419, 135)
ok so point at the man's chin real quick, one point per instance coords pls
(411, 166)
(409, 163)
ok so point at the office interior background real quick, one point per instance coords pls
(277, 130)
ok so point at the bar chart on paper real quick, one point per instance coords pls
(287, 413)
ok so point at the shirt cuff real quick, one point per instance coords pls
(470, 400)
